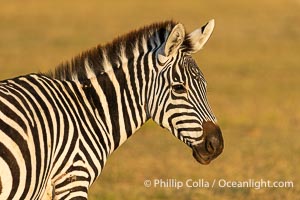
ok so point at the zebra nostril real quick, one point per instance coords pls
(209, 146)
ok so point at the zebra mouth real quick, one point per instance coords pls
(201, 158)
(206, 151)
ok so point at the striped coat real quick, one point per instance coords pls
(58, 129)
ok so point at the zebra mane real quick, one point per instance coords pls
(95, 57)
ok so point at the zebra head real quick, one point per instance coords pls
(178, 99)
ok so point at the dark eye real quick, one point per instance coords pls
(179, 88)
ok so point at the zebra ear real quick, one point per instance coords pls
(174, 40)
(200, 36)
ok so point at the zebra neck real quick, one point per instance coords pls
(118, 97)
(117, 79)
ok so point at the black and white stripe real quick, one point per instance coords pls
(57, 129)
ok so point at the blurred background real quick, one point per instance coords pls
(251, 64)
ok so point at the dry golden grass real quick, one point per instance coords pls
(251, 64)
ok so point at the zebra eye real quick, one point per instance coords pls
(179, 88)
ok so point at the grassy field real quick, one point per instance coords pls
(252, 65)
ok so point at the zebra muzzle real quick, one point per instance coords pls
(212, 145)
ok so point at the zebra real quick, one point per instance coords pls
(57, 129)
